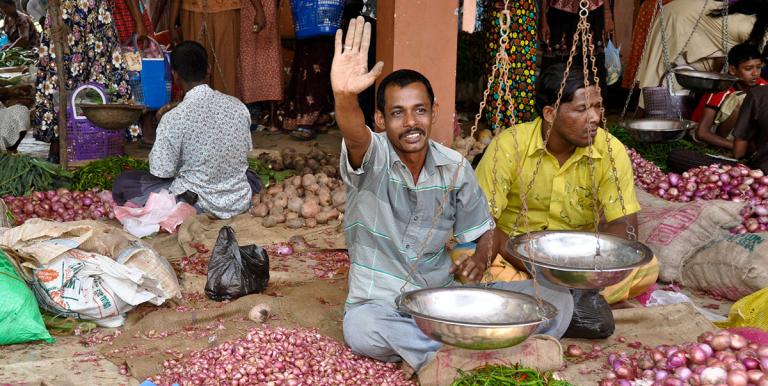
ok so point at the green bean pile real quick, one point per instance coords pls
(20, 175)
(101, 174)
(499, 375)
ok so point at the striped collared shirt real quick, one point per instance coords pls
(388, 217)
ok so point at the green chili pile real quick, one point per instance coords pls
(101, 174)
(16, 57)
(500, 375)
(20, 175)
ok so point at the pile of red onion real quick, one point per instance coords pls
(720, 358)
(61, 205)
(278, 356)
(732, 183)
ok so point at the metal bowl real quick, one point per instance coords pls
(112, 116)
(657, 130)
(567, 258)
(475, 318)
(704, 81)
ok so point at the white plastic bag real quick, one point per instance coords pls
(612, 63)
(90, 286)
(161, 210)
(661, 298)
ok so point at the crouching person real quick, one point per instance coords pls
(202, 145)
(406, 196)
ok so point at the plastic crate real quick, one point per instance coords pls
(86, 141)
(316, 17)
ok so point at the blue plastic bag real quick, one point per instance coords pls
(612, 63)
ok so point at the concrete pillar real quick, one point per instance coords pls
(422, 35)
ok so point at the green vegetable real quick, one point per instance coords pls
(499, 375)
(658, 152)
(101, 174)
(15, 57)
(20, 175)
(266, 174)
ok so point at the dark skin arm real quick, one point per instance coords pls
(259, 20)
(704, 130)
(133, 8)
(349, 77)
(471, 268)
(175, 33)
(740, 147)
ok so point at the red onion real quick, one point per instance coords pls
(737, 378)
(751, 363)
(721, 342)
(762, 351)
(697, 355)
(713, 375)
(754, 375)
(738, 342)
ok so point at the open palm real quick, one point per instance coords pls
(349, 71)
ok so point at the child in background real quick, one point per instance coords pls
(717, 112)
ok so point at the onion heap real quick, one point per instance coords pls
(279, 356)
(736, 183)
(61, 205)
(720, 358)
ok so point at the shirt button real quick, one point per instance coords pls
(415, 218)
(407, 246)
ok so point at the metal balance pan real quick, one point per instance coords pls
(657, 130)
(567, 258)
(475, 318)
(703, 81)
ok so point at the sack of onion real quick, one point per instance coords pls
(301, 201)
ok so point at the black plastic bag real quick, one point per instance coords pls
(592, 316)
(235, 271)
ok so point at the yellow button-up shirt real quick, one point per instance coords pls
(561, 197)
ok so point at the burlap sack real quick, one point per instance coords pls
(37, 242)
(541, 352)
(734, 266)
(676, 231)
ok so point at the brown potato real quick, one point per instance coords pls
(339, 197)
(295, 223)
(308, 179)
(295, 204)
(310, 222)
(260, 210)
(274, 189)
(309, 210)
(291, 215)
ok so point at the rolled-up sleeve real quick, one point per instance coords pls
(165, 157)
(472, 216)
(374, 158)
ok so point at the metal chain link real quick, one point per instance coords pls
(725, 36)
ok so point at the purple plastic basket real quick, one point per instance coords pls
(86, 141)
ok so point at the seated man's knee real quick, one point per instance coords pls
(362, 333)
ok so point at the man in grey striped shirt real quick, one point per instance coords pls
(406, 196)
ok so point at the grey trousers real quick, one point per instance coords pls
(382, 333)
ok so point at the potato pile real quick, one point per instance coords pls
(301, 201)
(314, 162)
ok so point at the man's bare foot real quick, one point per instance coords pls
(407, 370)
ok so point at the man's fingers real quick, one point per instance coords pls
(366, 44)
(359, 26)
(350, 35)
(338, 44)
(375, 72)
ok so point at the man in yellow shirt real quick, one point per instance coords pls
(561, 197)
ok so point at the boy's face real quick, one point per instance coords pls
(748, 71)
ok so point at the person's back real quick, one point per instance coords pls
(214, 134)
(203, 143)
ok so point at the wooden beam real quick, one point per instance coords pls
(58, 39)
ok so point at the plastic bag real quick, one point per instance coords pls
(235, 271)
(160, 211)
(592, 316)
(20, 319)
(612, 63)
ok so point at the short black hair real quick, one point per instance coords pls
(743, 52)
(190, 60)
(8, 2)
(402, 78)
(549, 85)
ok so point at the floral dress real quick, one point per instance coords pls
(92, 54)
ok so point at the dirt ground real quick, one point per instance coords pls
(296, 296)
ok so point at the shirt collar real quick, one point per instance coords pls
(434, 157)
(537, 144)
(196, 91)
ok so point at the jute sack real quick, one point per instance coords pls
(676, 231)
(37, 242)
(734, 266)
(541, 352)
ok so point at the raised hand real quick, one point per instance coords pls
(349, 71)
